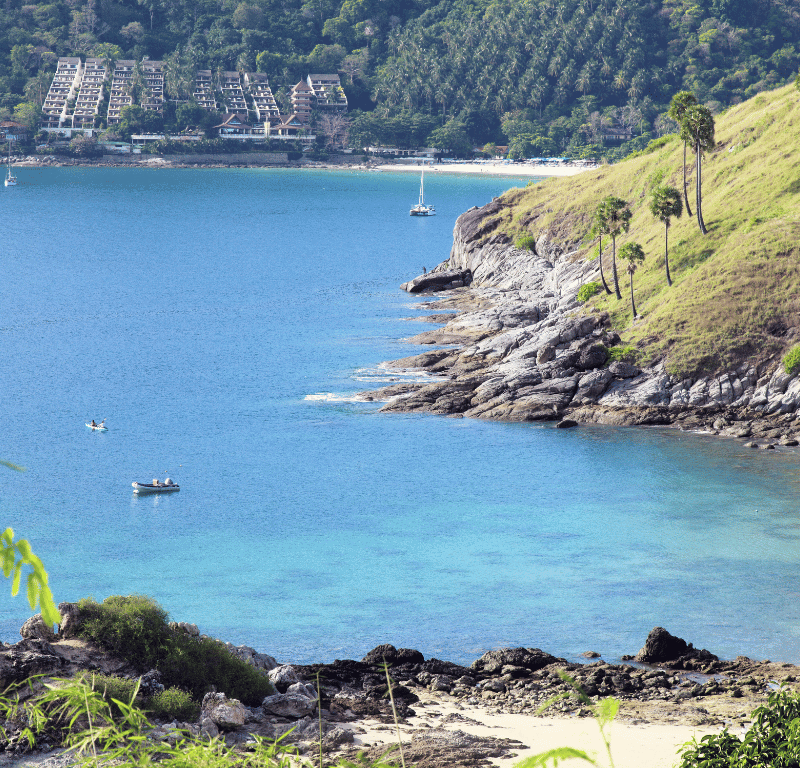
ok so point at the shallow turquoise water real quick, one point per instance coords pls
(221, 320)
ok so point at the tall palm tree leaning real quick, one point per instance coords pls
(599, 229)
(698, 129)
(616, 217)
(665, 202)
(681, 101)
(634, 255)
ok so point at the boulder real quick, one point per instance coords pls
(227, 714)
(531, 659)
(36, 629)
(662, 647)
(437, 281)
(392, 655)
(283, 676)
(70, 620)
(566, 424)
(295, 705)
(624, 370)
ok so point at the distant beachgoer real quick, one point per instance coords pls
(424, 271)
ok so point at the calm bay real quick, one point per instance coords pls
(222, 320)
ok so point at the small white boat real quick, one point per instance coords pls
(98, 427)
(155, 487)
(11, 180)
(420, 209)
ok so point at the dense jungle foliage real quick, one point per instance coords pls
(547, 77)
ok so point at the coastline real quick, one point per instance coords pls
(447, 715)
(512, 170)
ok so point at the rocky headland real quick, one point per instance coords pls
(516, 345)
(668, 681)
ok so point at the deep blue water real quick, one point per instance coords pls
(221, 321)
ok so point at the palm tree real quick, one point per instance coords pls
(616, 216)
(599, 229)
(698, 130)
(681, 101)
(634, 255)
(665, 202)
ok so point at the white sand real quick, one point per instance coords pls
(491, 169)
(632, 746)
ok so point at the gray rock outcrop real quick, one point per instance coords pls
(525, 350)
(226, 714)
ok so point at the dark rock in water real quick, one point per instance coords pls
(380, 654)
(531, 659)
(662, 647)
(566, 424)
(392, 655)
(591, 655)
(437, 281)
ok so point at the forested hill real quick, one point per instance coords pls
(551, 76)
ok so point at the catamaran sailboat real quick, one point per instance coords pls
(11, 180)
(420, 209)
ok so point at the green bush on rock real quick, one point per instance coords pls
(525, 242)
(587, 290)
(135, 628)
(791, 360)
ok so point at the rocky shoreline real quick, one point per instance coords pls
(667, 681)
(516, 345)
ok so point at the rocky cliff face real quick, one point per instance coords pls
(527, 351)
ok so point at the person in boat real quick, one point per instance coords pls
(93, 424)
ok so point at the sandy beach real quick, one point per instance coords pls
(529, 170)
(633, 745)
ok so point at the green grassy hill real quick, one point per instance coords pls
(735, 290)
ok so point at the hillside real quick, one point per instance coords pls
(735, 290)
(577, 77)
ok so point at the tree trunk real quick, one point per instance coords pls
(698, 199)
(685, 193)
(633, 305)
(602, 275)
(666, 250)
(614, 266)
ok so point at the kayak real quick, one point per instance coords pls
(153, 488)
(98, 428)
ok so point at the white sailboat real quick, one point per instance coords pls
(11, 180)
(420, 209)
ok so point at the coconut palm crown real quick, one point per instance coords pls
(665, 204)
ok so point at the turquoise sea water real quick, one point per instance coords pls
(221, 321)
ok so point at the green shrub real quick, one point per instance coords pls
(200, 664)
(173, 704)
(525, 242)
(132, 626)
(627, 354)
(135, 628)
(587, 290)
(772, 740)
(791, 361)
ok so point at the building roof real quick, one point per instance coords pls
(233, 118)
